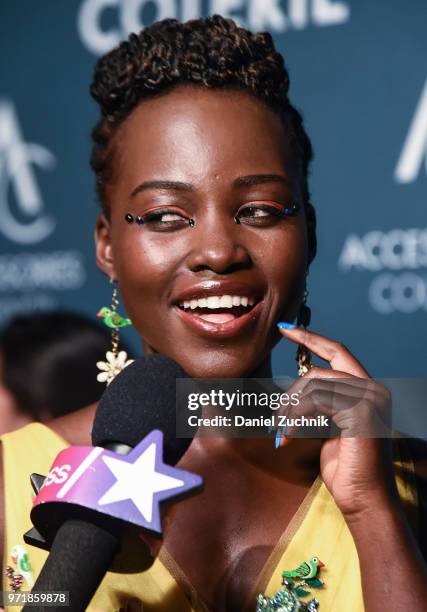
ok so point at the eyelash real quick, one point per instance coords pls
(275, 213)
(153, 217)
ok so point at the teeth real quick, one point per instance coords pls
(213, 301)
(218, 301)
(226, 301)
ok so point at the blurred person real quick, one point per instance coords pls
(48, 366)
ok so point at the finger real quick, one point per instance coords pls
(336, 402)
(364, 412)
(368, 389)
(320, 378)
(361, 422)
(335, 353)
(322, 374)
(357, 391)
(311, 428)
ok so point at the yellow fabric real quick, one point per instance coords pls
(318, 528)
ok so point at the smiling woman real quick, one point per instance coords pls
(206, 225)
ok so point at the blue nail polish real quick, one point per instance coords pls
(284, 325)
(281, 431)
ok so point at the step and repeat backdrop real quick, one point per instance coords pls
(358, 74)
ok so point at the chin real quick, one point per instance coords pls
(217, 364)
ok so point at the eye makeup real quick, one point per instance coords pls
(255, 213)
(155, 217)
(264, 211)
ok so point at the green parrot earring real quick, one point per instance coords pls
(115, 360)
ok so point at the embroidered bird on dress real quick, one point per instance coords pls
(112, 319)
(306, 571)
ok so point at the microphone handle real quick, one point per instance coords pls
(80, 556)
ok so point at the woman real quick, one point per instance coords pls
(201, 165)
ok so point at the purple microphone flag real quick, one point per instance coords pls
(128, 487)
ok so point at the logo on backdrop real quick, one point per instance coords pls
(396, 257)
(29, 224)
(414, 151)
(133, 15)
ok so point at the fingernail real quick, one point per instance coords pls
(284, 325)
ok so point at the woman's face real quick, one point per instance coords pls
(205, 155)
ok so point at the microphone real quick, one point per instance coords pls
(84, 525)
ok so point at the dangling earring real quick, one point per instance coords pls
(303, 357)
(116, 360)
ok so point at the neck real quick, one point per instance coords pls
(264, 369)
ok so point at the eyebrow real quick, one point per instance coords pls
(242, 181)
(257, 179)
(163, 185)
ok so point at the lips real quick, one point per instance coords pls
(219, 327)
(220, 309)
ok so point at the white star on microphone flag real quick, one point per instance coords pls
(138, 481)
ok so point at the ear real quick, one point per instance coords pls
(103, 248)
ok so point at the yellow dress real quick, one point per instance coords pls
(318, 528)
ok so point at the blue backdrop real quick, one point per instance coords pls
(358, 74)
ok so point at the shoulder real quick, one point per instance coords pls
(417, 450)
(413, 451)
(75, 428)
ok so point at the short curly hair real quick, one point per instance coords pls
(212, 52)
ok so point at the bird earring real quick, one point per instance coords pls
(303, 357)
(115, 360)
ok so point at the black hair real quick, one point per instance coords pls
(211, 52)
(49, 362)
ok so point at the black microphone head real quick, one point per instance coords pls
(138, 400)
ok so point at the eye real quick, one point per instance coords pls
(162, 219)
(264, 213)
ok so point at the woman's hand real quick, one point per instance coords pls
(358, 471)
(357, 465)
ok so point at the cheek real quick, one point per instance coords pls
(285, 261)
(145, 266)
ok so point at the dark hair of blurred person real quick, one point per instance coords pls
(48, 366)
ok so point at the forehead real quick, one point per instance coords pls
(196, 134)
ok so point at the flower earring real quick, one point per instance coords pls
(303, 357)
(116, 360)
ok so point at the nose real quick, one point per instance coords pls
(218, 248)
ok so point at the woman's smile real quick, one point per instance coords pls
(220, 309)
